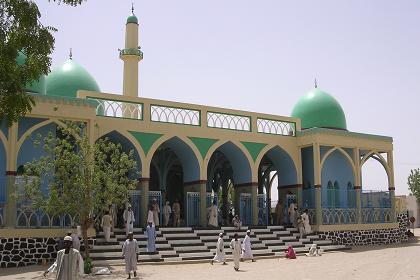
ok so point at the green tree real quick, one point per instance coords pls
(83, 179)
(414, 182)
(22, 31)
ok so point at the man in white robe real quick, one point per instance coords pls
(130, 251)
(236, 247)
(306, 224)
(106, 224)
(129, 219)
(156, 212)
(176, 209)
(220, 251)
(150, 234)
(69, 262)
(246, 247)
(213, 211)
(292, 214)
(166, 213)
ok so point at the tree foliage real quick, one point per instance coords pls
(82, 178)
(414, 182)
(22, 31)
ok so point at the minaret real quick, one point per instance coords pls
(131, 55)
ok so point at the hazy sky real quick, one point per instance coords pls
(262, 56)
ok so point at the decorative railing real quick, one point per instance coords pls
(228, 121)
(332, 216)
(312, 215)
(377, 215)
(28, 218)
(118, 109)
(131, 51)
(176, 115)
(376, 199)
(276, 127)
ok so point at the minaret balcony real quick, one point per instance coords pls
(132, 51)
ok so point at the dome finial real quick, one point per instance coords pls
(71, 54)
(132, 8)
(316, 84)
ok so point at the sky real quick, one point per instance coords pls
(262, 56)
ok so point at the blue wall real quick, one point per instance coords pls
(284, 165)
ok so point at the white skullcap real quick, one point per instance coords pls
(248, 231)
(68, 238)
(220, 234)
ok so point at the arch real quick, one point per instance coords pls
(378, 157)
(346, 155)
(238, 158)
(126, 141)
(283, 163)
(185, 151)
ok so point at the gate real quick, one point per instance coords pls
(158, 196)
(245, 205)
(193, 208)
(210, 199)
(135, 197)
(262, 210)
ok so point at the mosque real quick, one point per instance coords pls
(199, 154)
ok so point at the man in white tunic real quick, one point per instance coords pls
(151, 238)
(176, 209)
(246, 247)
(306, 225)
(106, 225)
(220, 251)
(130, 251)
(292, 214)
(166, 213)
(69, 262)
(213, 211)
(156, 212)
(236, 247)
(129, 219)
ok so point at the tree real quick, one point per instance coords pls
(414, 182)
(22, 31)
(83, 179)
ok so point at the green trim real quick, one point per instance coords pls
(146, 140)
(319, 130)
(254, 148)
(203, 144)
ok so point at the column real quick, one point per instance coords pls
(254, 192)
(144, 188)
(357, 185)
(202, 186)
(10, 211)
(317, 183)
(391, 187)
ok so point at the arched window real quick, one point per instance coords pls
(330, 195)
(337, 195)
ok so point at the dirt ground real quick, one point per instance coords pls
(373, 263)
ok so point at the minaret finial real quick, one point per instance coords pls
(71, 54)
(316, 84)
(132, 8)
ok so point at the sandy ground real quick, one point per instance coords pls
(373, 263)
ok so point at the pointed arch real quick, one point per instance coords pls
(378, 157)
(344, 153)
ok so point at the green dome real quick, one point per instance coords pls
(37, 86)
(68, 78)
(319, 109)
(132, 19)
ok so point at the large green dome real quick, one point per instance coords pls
(68, 78)
(319, 109)
(37, 86)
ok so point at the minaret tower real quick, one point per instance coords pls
(131, 55)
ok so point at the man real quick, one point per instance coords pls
(246, 250)
(292, 213)
(279, 213)
(106, 225)
(75, 240)
(220, 251)
(69, 262)
(156, 212)
(130, 251)
(176, 208)
(129, 220)
(306, 224)
(166, 213)
(236, 246)
(213, 212)
(151, 238)
(236, 222)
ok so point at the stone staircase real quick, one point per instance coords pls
(190, 244)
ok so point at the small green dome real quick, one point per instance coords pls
(132, 19)
(68, 78)
(319, 109)
(37, 86)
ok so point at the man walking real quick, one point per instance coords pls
(151, 238)
(129, 220)
(236, 246)
(106, 225)
(166, 213)
(130, 251)
(246, 250)
(220, 251)
(69, 262)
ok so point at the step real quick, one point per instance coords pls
(176, 229)
(275, 227)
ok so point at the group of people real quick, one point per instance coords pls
(153, 214)
(300, 221)
(240, 250)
